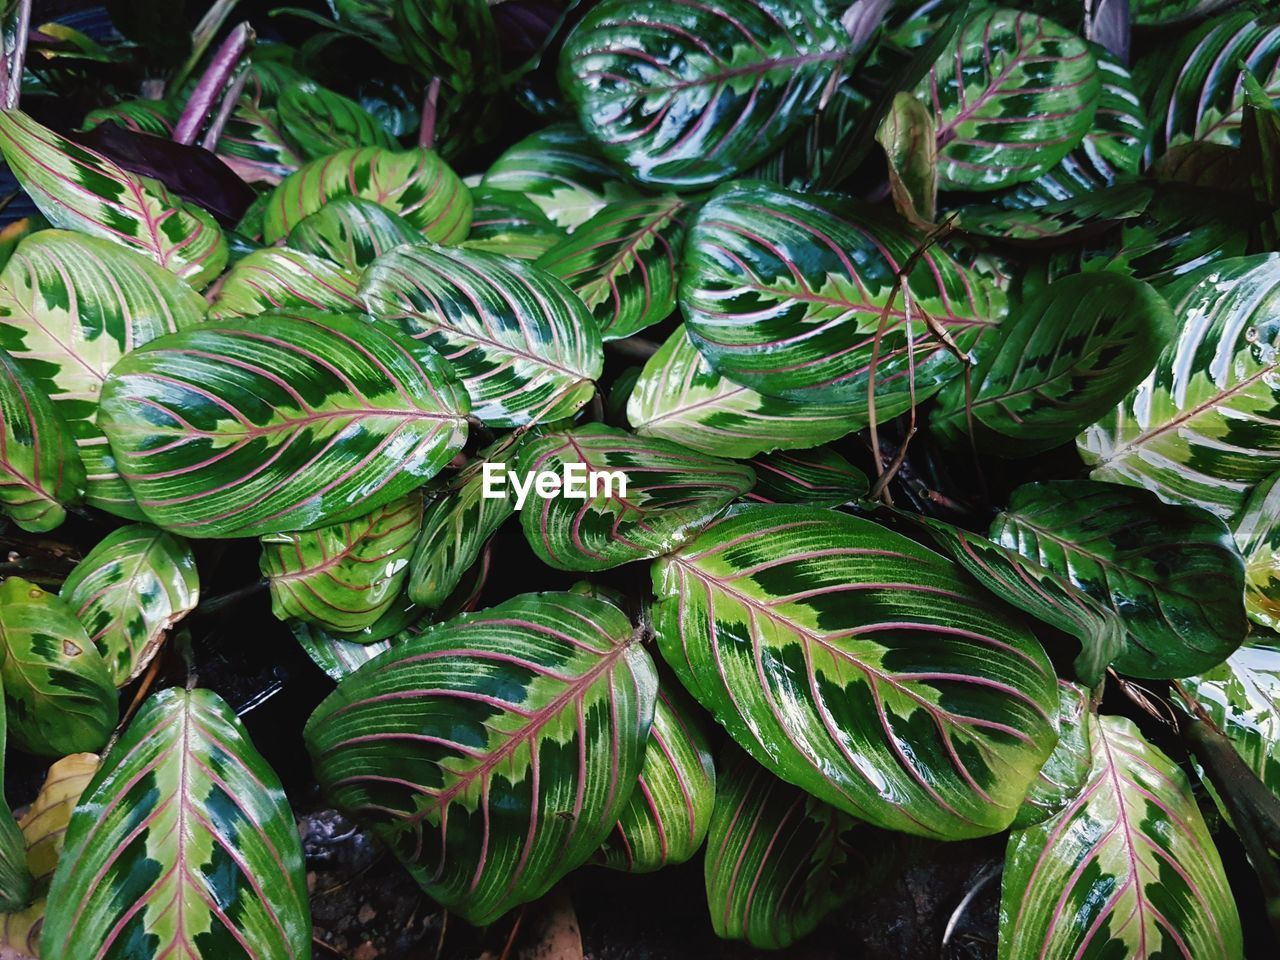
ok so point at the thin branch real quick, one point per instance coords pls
(213, 82)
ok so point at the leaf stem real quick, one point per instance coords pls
(16, 28)
(427, 127)
(213, 82)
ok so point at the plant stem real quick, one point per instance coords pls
(212, 83)
(427, 128)
(202, 36)
(214, 132)
(16, 28)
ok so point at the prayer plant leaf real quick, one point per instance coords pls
(322, 122)
(352, 232)
(279, 422)
(57, 687)
(680, 397)
(820, 477)
(275, 278)
(1063, 775)
(511, 224)
(522, 342)
(785, 293)
(495, 752)
(128, 591)
(629, 498)
(182, 845)
(859, 666)
(1171, 573)
(1127, 869)
(79, 189)
(70, 307)
(694, 93)
(1257, 534)
(343, 577)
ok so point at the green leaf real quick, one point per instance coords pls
(1049, 596)
(1203, 427)
(679, 397)
(640, 497)
(523, 343)
(911, 149)
(1257, 534)
(560, 170)
(352, 232)
(1148, 13)
(79, 189)
(667, 817)
(784, 293)
(275, 278)
(332, 653)
(1064, 774)
(70, 307)
(692, 94)
(457, 524)
(1128, 869)
(279, 422)
(511, 224)
(495, 752)
(1063, 359)
(40, 468)
(16, 881)
(253, 143)
(859, 666)
(156, 117)
(820, 477)
(343, 577)
(779, 861)
(1013, 95)
(183, 845)
(323, 122)
(128, 591)
(1172, 574)
(415, 184)
(622, 263)
(1242, 696)
(455, 40)
(57, 688)
(1055, 219)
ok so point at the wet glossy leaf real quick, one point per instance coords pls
(622, 263)
(1063, 775)
(128, 591)
(679, 397)
(183, 845)
(1063, 360)
(16, 881)
(667, 817)
(691, 93)
(323, 122)
(343, 577)
(669, 494)
(352, 232)
(1257, 534)
(820, 477)
(253, 143)
(1204, 426)
(1128, 869)
(57, 688)
(911, 149)
(1171, 573)
(860, 666)
(455, 40)
(1159, 12)
(279, 422)
(415, 184)
(275, 278)
(1242, 696)
(784, 293)
(522, 342)
(79, 189)
(40, 468)
(511, 224)
(1052, 220)
(494, 752)
(1014, 95)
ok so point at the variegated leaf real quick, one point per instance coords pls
(622, 263)
(253, 143)
(155, 117)
(77, 188)
(1204, 427)
(1242, 696)
(1013, 95)
(40, 468)
(694, 93)
(334, 654)
(279, 422)
(343, 577)
(667, 817)
(494, 752)
(323, 122)
(352, 232)
(785, 293)
(1063, 775)
(128, 591)
(1053, 220)
(16, 882)
(911, 151)
(562, 171)
(275, 278)
(1148, 13)
(820, 477)
(70, 307)
(634, 498)
(57, 688)
(523, 343)
(415, 184)
(1172, 574)
(679, 397)
(511, 224)
(44, 828)
(1127, 869)
(1257, 534)
(183, 845)
(859, 666)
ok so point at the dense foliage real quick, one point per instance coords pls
(937, 344)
